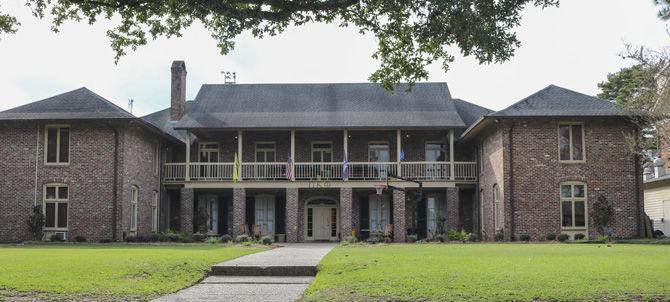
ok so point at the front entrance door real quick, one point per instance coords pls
(321, 220)
(208, 207)
(323, 225)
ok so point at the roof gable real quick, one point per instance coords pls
(80, 103)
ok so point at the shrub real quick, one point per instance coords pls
(212, 240)
(499, 236)
(349, 239)
(169, 236)
(55, 238)
(551, 237)
(602, 215)
(473, 237)
(198, 237)
(243, 238)
(142, 238)
(185, 238)
(36, 222)
(80, 238)
(105, 241)
(131, 239)
(563, 237)
(154, 237)
(247, 243)
(440, 237)
(226, 238)
(579, 236)
(411, 238)
(603, 238)
(453, 235)
(524, 237)
(267, 240)
(375, 239)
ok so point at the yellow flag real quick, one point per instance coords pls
(236, 176)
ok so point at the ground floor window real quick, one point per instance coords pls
(573, 205)
(154, 213)
(134, 196)
(379, 212)
(435, 216)
(56, 199)
(265, 213)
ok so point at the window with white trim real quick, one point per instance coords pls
(573, 205)
(571, 142)
(56, 198)
(436, 151)
(378, 152)
(266, 152)
(498, 214)
(322, 152)
(57, 145)
(209, 152)
(379, 212)
(154, 212)
(134, 197)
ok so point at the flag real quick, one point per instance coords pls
(402, 154)
(289, 172)
(236, 176)
(345, 167)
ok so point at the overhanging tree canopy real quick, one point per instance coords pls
(410, 34)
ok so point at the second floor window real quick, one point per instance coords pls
(209, 152)
(571, 142)
(266, 152)
(56, 207)
(378, 152)
(57, 143)
(435, 151)
(322, 152)
(156, 158)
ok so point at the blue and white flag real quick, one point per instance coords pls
(345, 167)
(402, 154)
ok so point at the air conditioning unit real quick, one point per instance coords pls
(62, 236)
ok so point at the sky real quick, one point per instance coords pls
(574, 46)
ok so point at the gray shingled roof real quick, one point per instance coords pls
(470, 112)
(428, 105)
(76, 104)
(557, 101)
(161, 120)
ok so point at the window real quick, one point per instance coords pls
(435, 151)
(573, 205)
(154, 212)
(57, 142)
(209, 152)
(56, 207)
(571, 142)
(333, 222)
(378, 152)
(322, 152)
(498, 214)
(379, 212)
(134, 196)
(265, 216)
(310, 221)
(266, 152)
(156, 158)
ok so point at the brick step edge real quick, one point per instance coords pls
(292, 271)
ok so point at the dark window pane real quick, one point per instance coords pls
(577, 150)
(564, 141)
(579, 191)
(333, 222)
(270, 156)
(52, 145)
(62, 215)
(580, 215)
(62, 192)
(327, 156)
(64, 155)
(317, 156)
(50, 215)
(309, 222)
(51, 192)
(566, 191)
(566, 207)
(260, 157)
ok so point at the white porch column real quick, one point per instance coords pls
(293, 154)
(239, 154)
(451, 154)
(345, 143)
(187, 168)
(399, 149)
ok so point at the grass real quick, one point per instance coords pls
(107, 272)
(493, 272)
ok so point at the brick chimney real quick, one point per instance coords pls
(178, 90)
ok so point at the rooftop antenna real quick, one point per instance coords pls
(229, 77)
(130, 105)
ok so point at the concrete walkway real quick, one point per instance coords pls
(280, 274)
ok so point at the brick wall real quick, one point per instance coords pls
(491, 173)
(239, 210)
(399, 229)
(292, 215)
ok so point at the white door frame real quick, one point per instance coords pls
(269, 198)
(209, 202)
(333, 205)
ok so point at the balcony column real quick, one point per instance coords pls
(239, 211)
(292, 154)
(187, 168)
(399, 150)
(451, 155)
(239, 154)
(345, 143)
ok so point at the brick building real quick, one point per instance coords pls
(309, 162)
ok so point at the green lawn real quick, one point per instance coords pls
(493, 272)
(108, 272)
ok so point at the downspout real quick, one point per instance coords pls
(37, 158)
(636, 157)
(115, 193)
(511, 181)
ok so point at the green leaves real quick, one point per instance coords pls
(410, 34)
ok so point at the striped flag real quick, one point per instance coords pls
(345, 167)
(289, 164)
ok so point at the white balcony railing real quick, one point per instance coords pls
(311, 171)
(463, 171)
(264, 171)
(425, 170)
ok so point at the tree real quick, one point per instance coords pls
(410, 34)
(36, 222)
(603, 215)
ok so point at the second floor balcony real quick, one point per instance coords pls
(361, 155)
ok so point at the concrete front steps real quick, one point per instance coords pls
(288, 260)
